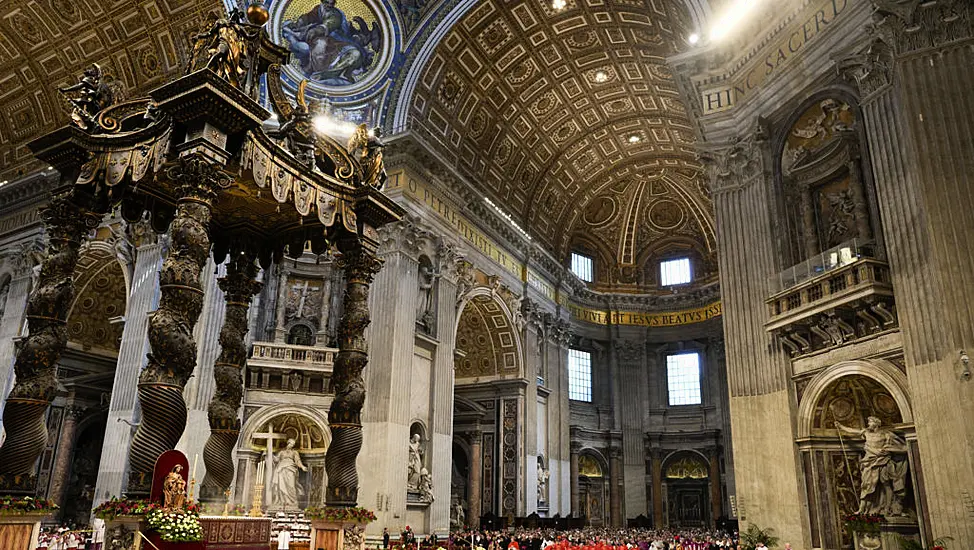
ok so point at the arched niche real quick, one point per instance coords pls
(593, 487)
(882, 373)
(277, 425)
(850, 392)
(687, 489)
(826, 196)
(488, 343)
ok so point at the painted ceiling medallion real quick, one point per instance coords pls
(337, 45)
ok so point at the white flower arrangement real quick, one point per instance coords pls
(182, 526)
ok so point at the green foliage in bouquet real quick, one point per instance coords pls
(754, 535)
(358, 515)
(18, 506)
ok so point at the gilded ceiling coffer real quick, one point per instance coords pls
(194, 160)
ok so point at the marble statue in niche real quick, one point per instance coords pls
(286, 489)
(543, 476)
(415, 465)
(883, 467)
(424, 314)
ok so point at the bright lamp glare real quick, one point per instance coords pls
(694, 38)
(326, 125)
(732, 18)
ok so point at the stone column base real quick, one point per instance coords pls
(19, 532)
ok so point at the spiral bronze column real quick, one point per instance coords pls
(173, 356)
(67, 220)
(345, 415)
(239, 286)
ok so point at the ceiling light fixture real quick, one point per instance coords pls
(693, 38)
(601, 76)
(732, 18)
(559, 5)
(634, 138)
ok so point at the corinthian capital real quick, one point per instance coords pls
(743, 162)
(870, 69)
(910, 25)
(628, 351)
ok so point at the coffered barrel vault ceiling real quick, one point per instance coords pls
(45, 44)
(571, 120)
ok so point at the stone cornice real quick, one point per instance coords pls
(32, 189)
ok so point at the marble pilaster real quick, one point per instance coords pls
(575, 448)
(122, 408)
(615, 487)
(199, 389)
(476, 478)
(11, 325)
(386, 415)
(442, 386)
(64, 452)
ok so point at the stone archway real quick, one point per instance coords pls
(593, 487)
(277, 427)
(489, 374)
(687, 489)
(851, 393)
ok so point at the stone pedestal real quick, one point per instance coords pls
(20, 532)
(333, 535)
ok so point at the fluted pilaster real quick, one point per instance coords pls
(143, 298)
(67, 219)
(173, 356)
(239, 286)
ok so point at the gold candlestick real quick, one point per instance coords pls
(226, 506)
(255, 509)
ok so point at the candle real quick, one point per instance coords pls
(195, 460)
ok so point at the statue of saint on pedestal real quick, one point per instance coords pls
(415, 464)
(174, 489)
(285, 488)
(883, 467)
(426, 486)
(460, 515)
(543, 476)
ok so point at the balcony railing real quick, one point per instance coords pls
(844, 300)
(289, 356)
(820, 264)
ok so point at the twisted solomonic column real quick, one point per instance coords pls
(239, 286)
(344, 417)
(173, 355)
(67, 219)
